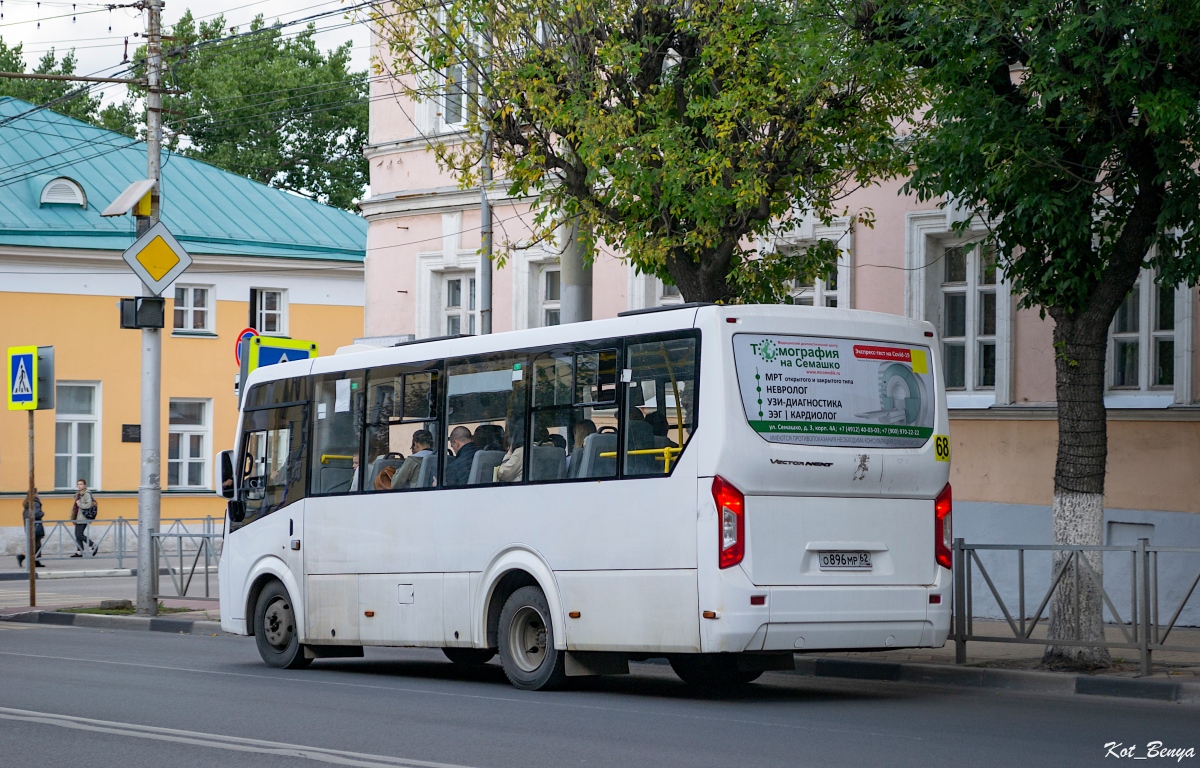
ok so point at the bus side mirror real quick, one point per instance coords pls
(224, 468)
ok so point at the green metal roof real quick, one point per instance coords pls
(209, 211)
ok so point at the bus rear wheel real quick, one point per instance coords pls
(711, 670)
(469, 657)
(275, 630)
(526, 634)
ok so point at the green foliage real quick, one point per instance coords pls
(272, 108)
(679, 132)
(42, 91)
(1069, 127)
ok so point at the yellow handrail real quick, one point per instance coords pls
(666, 454)
(325, 457)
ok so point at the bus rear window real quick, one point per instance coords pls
(811, 390)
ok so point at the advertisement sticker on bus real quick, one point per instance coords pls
(811, 390)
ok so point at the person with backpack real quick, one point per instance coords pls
(39, 531)
(83, 512)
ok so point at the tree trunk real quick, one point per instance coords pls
(1080, 346)
(704, 277)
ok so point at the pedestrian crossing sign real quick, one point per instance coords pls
(268, 350)
(22, 378)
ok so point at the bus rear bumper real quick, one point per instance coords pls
(808, 618)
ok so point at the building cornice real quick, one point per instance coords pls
(72, 259)
(1050, 413)
(432, 200)
(423, 143)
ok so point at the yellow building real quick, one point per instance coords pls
(263, 258)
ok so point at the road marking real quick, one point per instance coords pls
(218, 741)
(539, 700)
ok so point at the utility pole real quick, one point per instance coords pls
(485, 184)
(30, 524)
(149, 485)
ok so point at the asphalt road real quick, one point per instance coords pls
(83, 697)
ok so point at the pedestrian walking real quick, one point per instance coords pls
(39, 531)
(83, 512)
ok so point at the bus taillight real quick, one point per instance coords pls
(943, 529)
(731, 511)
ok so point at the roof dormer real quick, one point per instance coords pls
(63, 191)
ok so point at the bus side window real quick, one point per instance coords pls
(660, 408)
(486, 398)
(273, 471)
(401, 413)
(338, 400)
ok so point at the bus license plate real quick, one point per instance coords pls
(845, 561)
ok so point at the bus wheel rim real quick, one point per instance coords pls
(278, 623)
(527, 639)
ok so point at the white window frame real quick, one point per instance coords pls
(185, 432)
(808, 232)
(1147, 394)
(973, 290)
(546, 304)
(97, 433)
(189, 311)
(260, 313)
(928, 234)
(467, 310)
(668, 294)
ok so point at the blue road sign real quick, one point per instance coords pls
(268, 355)
(22, 378)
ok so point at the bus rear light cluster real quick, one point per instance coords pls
(731, 518)
(943, 529)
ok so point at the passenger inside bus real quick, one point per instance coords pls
(513, 466)
(458, 468)
(413, 470)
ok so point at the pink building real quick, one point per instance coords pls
(422, 278)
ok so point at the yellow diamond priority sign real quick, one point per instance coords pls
(157, 258)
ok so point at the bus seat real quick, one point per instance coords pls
(548, 462)
(641, 438)
(377, 466)
(483, 465)
(336, 479)
(591, 463)
(428, 471)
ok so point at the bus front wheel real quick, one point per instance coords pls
(711, 670)
(275, 630)
(526, 634)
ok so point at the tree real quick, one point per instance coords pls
(678, 131)
(272, 108)
(1070, 128)
(81, 107)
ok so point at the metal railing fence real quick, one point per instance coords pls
(1143, 630)
(183, 562)
(116, 539)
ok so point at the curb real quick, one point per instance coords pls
(135, 623)
(1000, 679)
(100, 572)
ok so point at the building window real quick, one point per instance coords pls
(816, 292)
(193, 308)
(1141, 348)
(551, 296)
(968, 316)
(77, 435)
(459, 308)
(187, 444)
(268, 311)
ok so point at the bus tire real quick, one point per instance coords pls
(469, 657)
(526, 635)
(275, 630)
(711, 670)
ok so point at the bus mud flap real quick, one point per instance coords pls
(333, 651)
(584, 663)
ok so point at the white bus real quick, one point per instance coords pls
(722, 486)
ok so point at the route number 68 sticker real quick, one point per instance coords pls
(941, 447)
